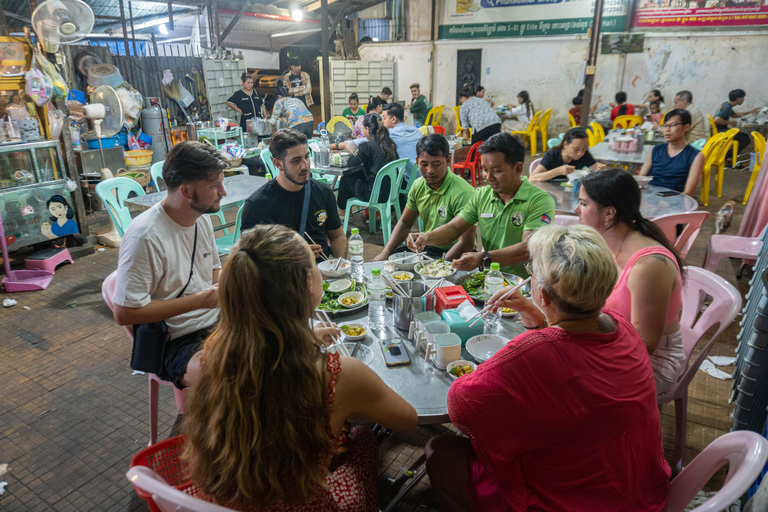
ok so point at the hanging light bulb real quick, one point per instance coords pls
(297, 14)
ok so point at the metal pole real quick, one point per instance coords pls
(125, 30)
(3, 24)
(216, 30)
(594, 43)
(133, 32)
(326, 100)
(154, 44)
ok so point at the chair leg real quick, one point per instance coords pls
(372, 219)
(386, 225)
(735, 152)
(681, 418)
(346, 219)
(711, 260)
(154, 390)
(752, 178)
(533, 143)
(705, 176)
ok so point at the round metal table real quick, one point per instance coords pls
(420, 383)
(652, 204)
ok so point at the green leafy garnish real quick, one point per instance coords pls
(330, 302)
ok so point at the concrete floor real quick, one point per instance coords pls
(72, 415)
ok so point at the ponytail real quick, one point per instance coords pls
(649, 228)
(380, 136)
(622, 110)
(570, 136)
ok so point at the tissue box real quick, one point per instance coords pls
(449, 297)
(460, 326)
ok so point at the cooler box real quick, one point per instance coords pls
(449, 297)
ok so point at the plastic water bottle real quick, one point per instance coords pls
(377, 294)
(325, 150)
(356, 255)
(494, 281)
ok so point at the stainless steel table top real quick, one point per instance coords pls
(238, 188)
(420, 383)
(602, 152)
(652, 204)
(337, 171)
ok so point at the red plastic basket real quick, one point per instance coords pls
(164, 458)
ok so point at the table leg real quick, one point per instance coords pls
(405, 490)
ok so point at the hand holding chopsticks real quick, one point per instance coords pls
(322, 254)
(489, 307)
(337, 339)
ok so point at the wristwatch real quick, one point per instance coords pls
(487, 260)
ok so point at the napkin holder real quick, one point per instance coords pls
(460, 326)
(449, 297)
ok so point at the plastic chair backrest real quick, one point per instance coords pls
(434, 116)
(266, 158)
(699, 144)
(572, 120)
(758, 141)
(439, 129)
(533, 166)
(116, 208)
(533, 122)
(712, 126)
(746, 453)
(627, 121)
(472, 155)
(394, 170)
(553, 142)
(107, 292)
(364, 107)
(723, 153)
(457, 113)
(712, 146)
(414, 175)
(597, 130)
(692, 222)
(566, 220)
(725, 305)
(166, 497)
(544, 120)
(338, 119)
(156, 172)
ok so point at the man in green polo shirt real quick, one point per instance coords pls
(437, 196)
(419, 105)
(507, 210)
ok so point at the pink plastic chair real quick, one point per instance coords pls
(107, 292)
(730, 246)
(533, 166)
(691, 221)
(725, 305)
(566, 220)
(166, 497)
(744, 450)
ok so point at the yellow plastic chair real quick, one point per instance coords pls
(597, 130)
(543, 126)
(759, 142)
(711, 151)
(459, 129)
(572, 121)
(530, 132)
(591, 136)
(627, 121)
(434, 116)
(720, 160)
(338, 119)
(733, 144)
(364, 107)
(712, 127)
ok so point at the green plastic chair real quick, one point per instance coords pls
(699, 144)
(224, 244)
(391, 170)
(553, 142)
(266, 157)
(113, 193)
(415, 174)
(156, 171)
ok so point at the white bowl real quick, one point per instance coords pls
(406, 264)
(508, 315)
(357, 295)
(460, 362)
(326, 268)
(484, 346)
(402, 276)
(642, 181)
(348, 337)
(339, 285)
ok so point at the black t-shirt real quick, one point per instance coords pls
(372, 157)
(375, 101)
(272, 204)
(250, 105)
(295, 80)
(554, 158)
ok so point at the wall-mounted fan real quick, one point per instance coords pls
(62, 22)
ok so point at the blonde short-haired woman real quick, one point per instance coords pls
(557, 416)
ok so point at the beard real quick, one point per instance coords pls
(199, 207)
(295, 178)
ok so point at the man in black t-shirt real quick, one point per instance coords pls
(382, 99)
(281, 201)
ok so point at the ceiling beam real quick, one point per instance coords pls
(15, 16)
(362, 7)
(316, 5)
(234, 20)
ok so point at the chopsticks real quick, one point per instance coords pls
(322, 254)
(393, 284)
(337, 340)
(488, 308)
(434, 286)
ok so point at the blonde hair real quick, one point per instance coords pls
(257, 426)
(573, 265)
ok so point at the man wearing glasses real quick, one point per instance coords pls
(676, 164)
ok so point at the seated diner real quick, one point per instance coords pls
(621, 107)
(570, 155)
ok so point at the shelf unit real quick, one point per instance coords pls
(222, 79)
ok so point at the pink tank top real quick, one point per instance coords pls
(621, 298)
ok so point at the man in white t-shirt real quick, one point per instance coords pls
(156, 257)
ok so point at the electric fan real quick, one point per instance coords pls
(62, 22)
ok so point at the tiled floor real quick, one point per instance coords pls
(72, 415)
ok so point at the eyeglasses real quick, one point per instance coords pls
(528, 266)
(670, 125)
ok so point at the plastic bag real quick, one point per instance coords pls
(60, 89)
(38, 86)
(133, 142)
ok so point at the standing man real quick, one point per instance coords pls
(699, 129)
(438, 196)
(382, 99)
(723, 116)
(507, 211)
(297, 82)
(295, 200)
(157, 277)
(419, 105)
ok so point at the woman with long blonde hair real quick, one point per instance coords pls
(266, 418)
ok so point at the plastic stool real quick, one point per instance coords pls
(48, 259)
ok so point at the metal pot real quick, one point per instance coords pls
(280, 124)
(257, 126)
(406, 308)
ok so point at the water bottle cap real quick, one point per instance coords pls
(375, 272)
(495, 266)
(355, 231)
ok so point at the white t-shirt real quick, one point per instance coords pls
(154, 261)
(521, 111)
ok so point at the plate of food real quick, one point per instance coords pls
(434, 269)
(402, 276)
(508, 312)
(331, 300)
(353, 332)
(474, 284)
(461, 367)
(403, 261)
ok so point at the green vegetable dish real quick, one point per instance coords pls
(330, 302)
(475, 285)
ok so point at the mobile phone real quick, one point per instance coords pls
(668, 193)
(394, 352)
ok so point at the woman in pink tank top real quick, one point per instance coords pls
(649, 289)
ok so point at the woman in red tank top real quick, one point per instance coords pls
(649, 289)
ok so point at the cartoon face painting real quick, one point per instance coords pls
(62, 218)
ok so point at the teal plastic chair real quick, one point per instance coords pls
(553, 142)
(113, 193)
(699, 144)
(391, 170)
(415, 174)
(156, 171)
(224, 244)
(266, 157)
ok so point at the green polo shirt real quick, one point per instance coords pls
(439, 207)
(502, 225)
(420, 109)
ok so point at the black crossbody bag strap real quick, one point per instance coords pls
(192, 267)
